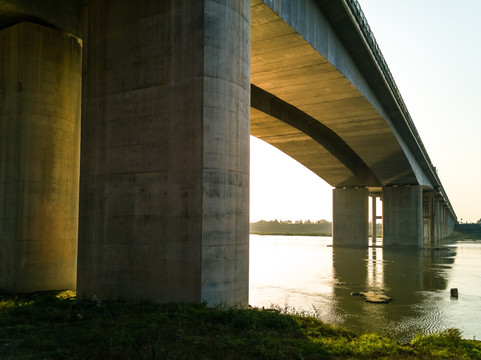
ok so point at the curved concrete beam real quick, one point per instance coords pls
(307, 140)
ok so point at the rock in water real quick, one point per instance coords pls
(372, 297)
(454, 293)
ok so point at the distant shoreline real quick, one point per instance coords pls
(460, 234)
(289, 234)
(290, 228)
(296, 228)
(295, 234)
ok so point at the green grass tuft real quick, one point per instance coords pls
(57, 326)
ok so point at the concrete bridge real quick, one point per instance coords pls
(147, 107)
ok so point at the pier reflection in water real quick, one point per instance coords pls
(306, 273)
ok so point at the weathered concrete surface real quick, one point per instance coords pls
(164, 202)
(350, 214)
(403, 216)
(40, 84)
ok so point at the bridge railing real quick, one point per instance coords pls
(376, 51)
(369, 36)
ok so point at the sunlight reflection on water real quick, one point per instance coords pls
(307, 274)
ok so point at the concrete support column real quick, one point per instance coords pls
(437, 224)
(403, 216)
(40, 84)
(350, 225)
(164, 197)
(452, 223)
(449, 222)
(374, 218)
(428, 223)
(443, 220)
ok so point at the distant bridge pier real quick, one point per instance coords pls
(350, 226)
(443, 222)
(374, 214)
(428, 217)
(402, 219)
(438, 221)
(411, 216)
(403, 216)
(40, 85)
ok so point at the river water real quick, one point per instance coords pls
(305, 273)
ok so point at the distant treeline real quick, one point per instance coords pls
(299, 227)
(307, 227)
(468, 228)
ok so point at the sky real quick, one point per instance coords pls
(433, 49)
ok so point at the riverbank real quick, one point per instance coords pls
(286, 228)
(57, 326)
(297, 228)
(466, 232)
(289, 233)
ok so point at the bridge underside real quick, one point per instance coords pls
(306, 102)
(286, 65)
(170, 93)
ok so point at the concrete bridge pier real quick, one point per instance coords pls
(442, 219)
(428, 218)
(350, 226)
(164, 199)
(403, 216)
(40, 84)
(374, 214)
(438, 221)
(438, 218)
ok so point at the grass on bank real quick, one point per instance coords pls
(49, 326)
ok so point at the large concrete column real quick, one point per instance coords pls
(428, 219)
(437, 223)
(350, 226)
(40, 84)
(403, 216)
(164, 210)
(451, 222)
(443, 220)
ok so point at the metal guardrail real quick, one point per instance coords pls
(363, 24)
(376, 51)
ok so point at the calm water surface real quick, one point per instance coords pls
(306, 273)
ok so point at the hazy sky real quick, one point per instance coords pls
(433, 49)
